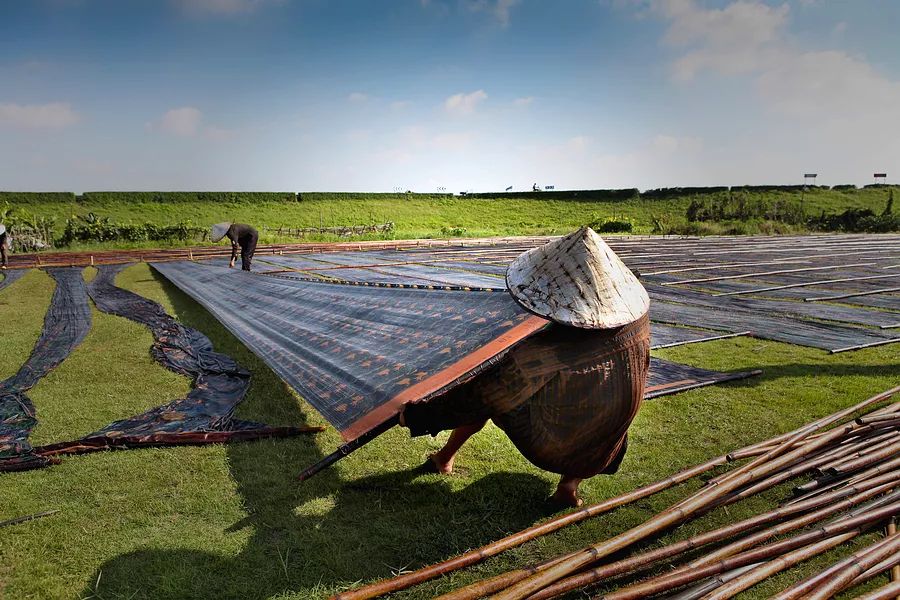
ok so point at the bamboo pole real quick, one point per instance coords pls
(782, 528)
(631, 564)
(762, 273)
(776, 565)
(853, 295)
(803, 437)
(767, 464)
(891, 590)
(27, 518)
(837, 533)
(805, 284)
(854, 566)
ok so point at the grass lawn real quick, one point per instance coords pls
(230, 521)
(424, 217)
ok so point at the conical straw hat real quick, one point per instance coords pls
(218, 231)
(577, 281)
(2, 228)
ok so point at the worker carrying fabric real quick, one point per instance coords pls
(4, 246)
(241, 235)
(567, 395)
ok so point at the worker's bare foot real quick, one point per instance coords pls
(439, 464)
(565, 499)
(566, 493)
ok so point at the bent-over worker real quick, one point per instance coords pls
(4, 244)
(243, 236)
(567, 395)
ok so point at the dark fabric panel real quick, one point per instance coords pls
(781, 329)
(827, 312)
(668, 335)
(67, 322)
(670, 378)
(358, 353)
(11, 276)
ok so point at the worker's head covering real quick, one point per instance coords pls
(218, 231)
(2, 228)
(578, 281)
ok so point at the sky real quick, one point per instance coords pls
(445, 95)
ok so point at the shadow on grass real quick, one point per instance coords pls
(306, 538)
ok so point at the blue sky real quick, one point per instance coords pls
(456, 94)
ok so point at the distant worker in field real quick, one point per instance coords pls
(567, 395)
(241, 235)
(4, 245)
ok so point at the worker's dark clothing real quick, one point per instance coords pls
(245, 237)
(4, 242)
(565, 397)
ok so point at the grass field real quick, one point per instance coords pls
(423, 217)
(230, 521)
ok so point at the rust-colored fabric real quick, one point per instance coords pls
(565, 397)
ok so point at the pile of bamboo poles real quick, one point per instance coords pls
(853, 489)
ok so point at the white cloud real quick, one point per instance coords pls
(357, 97)
(464, 104)
(184, 122)
(522, 102)
(739, 38)
(222, 7)
(840, 28)
(55, 115)
(400, 105)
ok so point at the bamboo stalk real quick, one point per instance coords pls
(703, 588)
(27, 518)
(782, 528)
(887, 564)
(854, 566)
(892, 530)
(687, 574)
(803, 587)
(475, 556)
(823, 421)
(631, 564)
(891, 590)
(776, 565)
(669, 517)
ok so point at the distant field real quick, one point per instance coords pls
(426, 216)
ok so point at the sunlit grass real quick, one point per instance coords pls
(232, 521)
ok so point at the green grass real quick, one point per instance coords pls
(230, 521)
(423, 216)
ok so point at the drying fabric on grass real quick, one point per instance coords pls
(670, 378)
(67, 322)
(10, 277)
(357, 354)
(780, 308)
(663, 336)
(205, 415)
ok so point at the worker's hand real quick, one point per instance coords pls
(231, 265)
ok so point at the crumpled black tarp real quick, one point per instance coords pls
(67, 322)
(7, 278)
(205, 414)
(358, 353)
